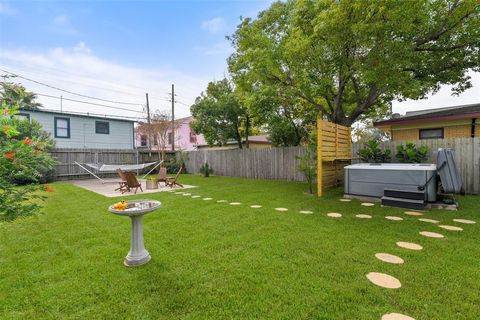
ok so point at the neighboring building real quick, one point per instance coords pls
(450, 122)
(74, 130)
(253, 142)
(185, 138)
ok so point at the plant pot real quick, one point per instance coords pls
(152, 184)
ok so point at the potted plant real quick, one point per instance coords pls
(152, 182)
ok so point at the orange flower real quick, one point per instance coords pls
(27, 141)
(48, 188)
(10, 155)
(37, 151)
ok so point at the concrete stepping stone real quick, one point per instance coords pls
(368, 204)
(413, 213)
(431, 234)
(207, 199)
(451, 228)
(464, 221)
(390, 258)
(194, 197)
(393, 218)
(281, 209)
(306, 212)
(428, 220)
(334, 215)
(363, 216)
(345, 200)
(235, 203)
(396, 316)
(384, 280)
(222, 201)
(255, 206)
(409, 245)
(187, 194)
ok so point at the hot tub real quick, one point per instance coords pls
(370, 179)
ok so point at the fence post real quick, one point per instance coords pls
(319, 157)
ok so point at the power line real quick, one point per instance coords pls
(95, 114)
(70, 92)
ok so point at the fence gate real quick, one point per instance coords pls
(334, 151)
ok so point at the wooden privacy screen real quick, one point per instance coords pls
(334, 151)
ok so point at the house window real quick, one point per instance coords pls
(170, 138)
(193, 138)
(143, 140)
(62, 127)
(22, 116)
(431, 133)
(102, 127)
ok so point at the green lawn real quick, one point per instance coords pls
(216, 261)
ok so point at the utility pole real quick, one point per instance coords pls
(148, 121)
(173, 117)
(61, 104)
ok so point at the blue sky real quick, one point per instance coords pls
(118, 50)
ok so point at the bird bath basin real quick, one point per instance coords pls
(137, 255)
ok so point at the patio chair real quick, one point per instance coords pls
(172, 181)
(122, 184)
(162, 175)
(132, 182)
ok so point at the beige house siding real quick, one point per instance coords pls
(451, 130)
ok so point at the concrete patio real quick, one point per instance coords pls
(107, 189)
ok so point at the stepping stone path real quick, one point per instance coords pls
(396, 316)
(255, 206)
(187, 194)
(413, 213)
(393, 218)
(334, 215)
(195, 197)
(431, 234)
(306, 212)
(368, 204)
(281, 209)
(409, 245)
(345, 200)
(451, 228)
(384, 280)
(390, 258)
(428, 220)
(464, 221)
(222, 201)
(363, 216)
(207, 199)
(235, 203)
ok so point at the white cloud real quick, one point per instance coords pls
(214, 25)
(77, 69)
(61, 20)
(7, 10)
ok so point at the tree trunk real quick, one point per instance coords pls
(247, 127)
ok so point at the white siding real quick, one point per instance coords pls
(82, 131)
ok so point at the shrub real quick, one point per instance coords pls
(411, 154)
(206, 170)
(308, 166)
(373, 154)
(16, 202)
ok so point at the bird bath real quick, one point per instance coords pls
(137, 255)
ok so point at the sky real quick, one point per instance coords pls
(119, 50)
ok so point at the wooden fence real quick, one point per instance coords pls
(467, 152)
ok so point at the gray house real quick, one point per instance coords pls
(73, 130)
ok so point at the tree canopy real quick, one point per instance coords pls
(349, 59)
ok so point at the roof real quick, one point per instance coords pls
(446, 113)
(259, 139)
(78, 114)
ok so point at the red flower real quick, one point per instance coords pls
(48, 188)
(10, 155)
(27, 141)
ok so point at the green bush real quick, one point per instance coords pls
(206, 170)
(308, 166)
(16, 202)
(411, 154)
(373, 154)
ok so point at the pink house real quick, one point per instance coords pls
(185, 138)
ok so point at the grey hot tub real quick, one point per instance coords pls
(370, 179)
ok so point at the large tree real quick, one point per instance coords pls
(220, 116)
(348, 59)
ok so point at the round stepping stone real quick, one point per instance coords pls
(451, 228)
(396, 316)
(393, 218)
(222, 201)
(428, 220)
(206, 199)
(345, 200)
(368, 204)
(363, 216)
(413, 213)
(464, 221)
(409, 245)
(195, 197)
(255, 206)
(306, 212)
(390, 258)
(187, 194)
(384, 280)
(235, 203)
(334, 215)
(281, 209)
(431, 234)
